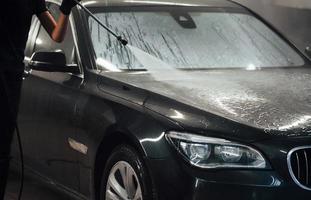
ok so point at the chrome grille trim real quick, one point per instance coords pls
(298, 165)
(294, 152)
(307, 166)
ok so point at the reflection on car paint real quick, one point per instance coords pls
(157, 139)
(77, 146)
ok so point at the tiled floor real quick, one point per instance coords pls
(33, 190)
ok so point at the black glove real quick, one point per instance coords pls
(67, 5)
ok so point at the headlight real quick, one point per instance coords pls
(207, 152)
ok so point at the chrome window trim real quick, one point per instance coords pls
(290, 169)
(77, 50)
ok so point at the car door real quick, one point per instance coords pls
(47, 114)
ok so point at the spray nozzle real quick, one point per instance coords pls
(123, 41)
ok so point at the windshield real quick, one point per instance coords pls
(188, 39)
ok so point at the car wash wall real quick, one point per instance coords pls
(291, 17)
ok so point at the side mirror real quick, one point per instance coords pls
(51, 62)
(308, 51)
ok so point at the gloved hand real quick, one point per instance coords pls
(67, 5)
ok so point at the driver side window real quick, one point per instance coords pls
(45, 43)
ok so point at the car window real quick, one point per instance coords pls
(188, 40)
(45, 43)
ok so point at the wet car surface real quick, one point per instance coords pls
(182, 112)
(33, 189)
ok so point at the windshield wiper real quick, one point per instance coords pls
(119, 37)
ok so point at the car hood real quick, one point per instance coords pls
(275, 100)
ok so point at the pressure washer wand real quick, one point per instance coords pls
(119, 37)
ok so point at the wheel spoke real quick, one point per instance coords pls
(113, 183)
(130, 183)
(123, 172)
(111, 196)
(138, 195)
(123, 183)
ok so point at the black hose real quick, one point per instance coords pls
(11, 115)
(22, 162)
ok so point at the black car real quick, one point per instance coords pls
(207, 101)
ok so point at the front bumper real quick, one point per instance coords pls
(175, 179)
(207, 190)
(183, 182)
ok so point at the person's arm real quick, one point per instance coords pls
(57, 29)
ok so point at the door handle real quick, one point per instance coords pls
(26, 73)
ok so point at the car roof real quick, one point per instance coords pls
(209, 3)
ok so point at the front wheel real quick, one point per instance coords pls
(125, 177)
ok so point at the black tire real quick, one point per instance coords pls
(129, 155)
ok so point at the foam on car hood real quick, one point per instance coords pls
(270, 99)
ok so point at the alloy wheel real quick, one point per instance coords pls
(123, 183)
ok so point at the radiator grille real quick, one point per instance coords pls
(299, 162)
